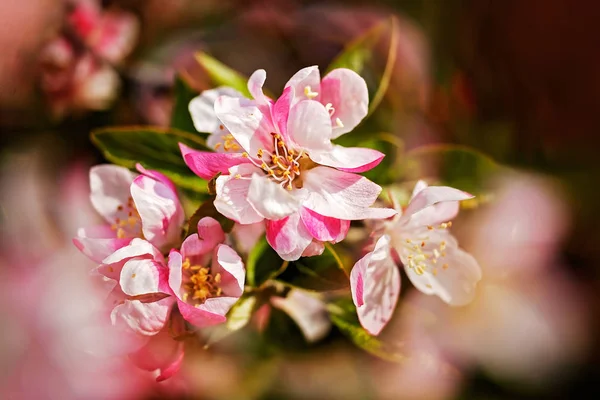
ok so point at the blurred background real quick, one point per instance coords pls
(516, 80)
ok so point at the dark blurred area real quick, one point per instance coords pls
(518, 80)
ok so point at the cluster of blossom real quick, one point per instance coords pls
(273, 165)
(77, 68)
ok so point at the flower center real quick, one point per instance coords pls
(422, 256)
(283, 165)
(228, 142)
(130, 223)
(199, 284)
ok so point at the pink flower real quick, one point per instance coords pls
(144, 206)
(286, 170)
(430, 254)
(205, 276)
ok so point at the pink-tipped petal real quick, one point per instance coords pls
(288, 237)
(349, 159)
(309, 126)
(210, 231)
(162, 353)
(211, 312)
(98, 242)
(111, 266)
(248, 123)
(339, 194)
(232, 195)
(143, 276)
(281, 111)
(269, 199)
(202, 108)
(375, 286)
(229, 265)
(109, 186)
(207, 164)
(347, 92)
(325, 229)
(255, 86)
(306, 77)
(160, 211)
(315, 248)
(143, 318)
(175, 265)
(156, 176)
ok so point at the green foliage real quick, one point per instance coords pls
(358, 56)
(343, 315)
(154, 148)
(263, 264)
(457, 166)
(222, 75)
(318, 273)
(180, 116)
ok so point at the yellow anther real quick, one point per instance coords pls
(245, 155)
(309, 93)
(445, 266)
(339, 123)
(238, 176)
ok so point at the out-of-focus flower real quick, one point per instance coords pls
(206, 276)
(307, 311)
(77, 70)
(282, 167)
(431, 257)
(146, 206)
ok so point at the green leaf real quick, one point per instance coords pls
(359, 57)
(457, 166)
(222, 75)
(154, 148)
(318, 273)
(180, 117)
(263, 264)
(207, 209)
(343, 315)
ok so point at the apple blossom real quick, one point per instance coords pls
(431, 257)
(144, 206)
(280, 165)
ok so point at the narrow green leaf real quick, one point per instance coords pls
(180, 116)
(222, 75)
(343, 315)
(457, 166)
(154, 148)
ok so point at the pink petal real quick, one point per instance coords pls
(111, 266)
(288, 237)
(208, 164)
(143, 276)
(109, 186)
(175, 265)
(308, 76)
(419, 186)
(250, 125)
(325, 229)
(232, 195)
(160, 211)
(98, 242)
(162, 353)
(375, 286)
(453, 277)
(116, 36)
(348, 94)
(255, 86)
(269, 199)
(143, 318)
(315, 248)
(281, 111)
(307, 311)
(198, 247)
(417, 211)
(246, 236)
(341, 195)
(211, 312)
(349, 159)
(309, 126)
(158, 176)
(202, 108)
(233, 274)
